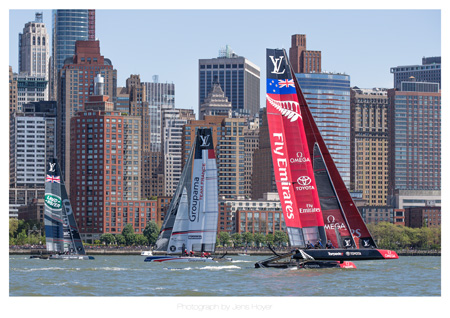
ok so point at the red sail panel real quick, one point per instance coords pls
(291, 158)
(349, 211)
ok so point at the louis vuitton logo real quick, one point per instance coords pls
(205, 141)
(277, 64)
(51, 167)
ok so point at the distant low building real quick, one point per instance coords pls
(34, 211)
(423, 217)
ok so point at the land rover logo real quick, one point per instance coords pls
(172, 248)
(305, 180)
(52, 201)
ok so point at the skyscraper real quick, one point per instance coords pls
(216, 103)
(69, 26)
(429, 71)
(32, 143)
(238, 77)
(173, 121)
(328, 98)
(369, 144)
(75, 84)
(160, 97)
(415, 137)
(105, 174)
(302, 60)
(34, 52)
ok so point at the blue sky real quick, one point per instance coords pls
(361, 43)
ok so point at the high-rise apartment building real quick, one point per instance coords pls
(160, 97)
(228, 139)
(263, 177)
(69, 26)
(34, 49)
(238, 77)
(302, 60)
(30, 89)
(369, 144)
(429, 71)
(173, 122)
(32, 143)
(105, 174)
(415, 137)
(76, 83)
(251, 144)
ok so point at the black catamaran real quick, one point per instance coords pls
(317, 207)
(62, 236)
(189, 230)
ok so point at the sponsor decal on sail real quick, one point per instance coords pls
(289, 109)
(332, 224)
(300, 158)
(304, 183)
(53, 201)
(281, 169)
(195, 198)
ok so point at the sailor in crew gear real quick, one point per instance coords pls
(329, 244)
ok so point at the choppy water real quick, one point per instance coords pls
(131, 276)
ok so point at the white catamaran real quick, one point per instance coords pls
(189, 230)
(62, 236)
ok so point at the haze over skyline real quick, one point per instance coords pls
(364, 44)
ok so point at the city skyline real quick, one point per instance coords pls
(361, 43)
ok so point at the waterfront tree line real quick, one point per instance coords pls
(386, 235)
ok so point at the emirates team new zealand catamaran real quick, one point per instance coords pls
(189, 230)
(61, 232)
(317, 206)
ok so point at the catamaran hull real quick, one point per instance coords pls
(64, 257)
(307, 265)
(160, 259)
(347, 254)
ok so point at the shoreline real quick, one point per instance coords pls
(137, 251)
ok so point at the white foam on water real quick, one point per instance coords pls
(220, 267)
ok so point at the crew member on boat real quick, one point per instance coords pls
(318, 245)
(329, 244)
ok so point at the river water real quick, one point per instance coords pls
(131, 276)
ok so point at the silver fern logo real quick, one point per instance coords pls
(289, 109)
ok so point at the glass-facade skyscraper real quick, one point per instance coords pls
(69, 26)
(328, 97)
